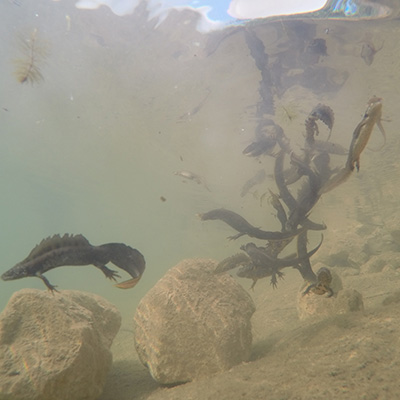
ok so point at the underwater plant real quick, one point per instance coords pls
(34, 51)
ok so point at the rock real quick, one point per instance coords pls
(385, 261)
(373, 265)
(348, 300)
(55, 346)
(312, 305)
(380, 242)
(193, 323)
(346, 251)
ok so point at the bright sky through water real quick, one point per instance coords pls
(216, 12)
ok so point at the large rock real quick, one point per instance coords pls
(193, 323)
(55, 346)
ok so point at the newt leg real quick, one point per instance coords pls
(234, 237)
(109, 273)
(51, 287)
(309, 287)
(253, 284)
(280, 274)
(274, 281)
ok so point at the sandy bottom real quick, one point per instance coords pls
(351, 356)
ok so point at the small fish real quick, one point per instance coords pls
(192, 177)
(58, 251)
(187, 116)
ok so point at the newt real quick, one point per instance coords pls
(308, 194)
(241, 225)
(363, 131)
(322, 113)
(304, 266)
(58, 251)
(291, 203)
(322, 286)
(255, 273)
(359, 141)
(280, 211)
(261, 258)
(232, 262)
(263, 145)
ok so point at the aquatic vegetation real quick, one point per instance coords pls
(34, 51)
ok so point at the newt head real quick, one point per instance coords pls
(15, 273)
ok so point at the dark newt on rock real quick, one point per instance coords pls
(57, 251)
(322, 286)
(238, 223)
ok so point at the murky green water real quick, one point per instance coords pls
(93, 148)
